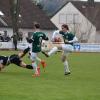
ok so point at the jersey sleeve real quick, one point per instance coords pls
(44, 37)
(54, 35)
(75, 39)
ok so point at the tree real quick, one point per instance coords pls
(14, 11)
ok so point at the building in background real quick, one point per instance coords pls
(28, 14)
(82, 17)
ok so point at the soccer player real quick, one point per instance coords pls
(39, 61)
(69, 39)
(36, 40)
(14, 59)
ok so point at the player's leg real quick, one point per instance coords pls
(23, 53)
(52, 51)
(34, 64)
(40, 61)
(1, 66)
(65, 62)
(66, 49)
(43, 63)
(15, 59)
(24, 65)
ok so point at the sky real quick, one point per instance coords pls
(94, 0)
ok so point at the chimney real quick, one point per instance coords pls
(91, 3)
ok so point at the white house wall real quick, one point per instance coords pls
(83, 28)
(98, 37)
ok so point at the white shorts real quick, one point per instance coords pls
(67, 48)
(33, 56)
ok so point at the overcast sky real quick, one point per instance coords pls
(94, 0)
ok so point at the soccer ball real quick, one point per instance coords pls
(45, 46)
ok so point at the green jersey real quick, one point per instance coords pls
(67, 36)
(37, 40)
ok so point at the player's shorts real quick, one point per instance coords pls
(67, 48)
(3, 60)
(15, 59)
(33, 56)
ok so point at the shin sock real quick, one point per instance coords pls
(52, 51)
(66, 66)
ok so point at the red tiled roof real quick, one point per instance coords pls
(29, 13)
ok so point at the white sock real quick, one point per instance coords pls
(66, 66)
(37, 58)
(52, 51)
(34, 65)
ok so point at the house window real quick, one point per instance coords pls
(72, 18)
(62, 18)
(68, 18)
(76, 18)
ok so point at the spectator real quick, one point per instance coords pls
(1, 38)
(20, 35)
(14, 41)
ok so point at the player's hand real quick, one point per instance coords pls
(29, 40)
(47, 38)
(61, 32)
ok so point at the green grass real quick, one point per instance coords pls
(83, 84)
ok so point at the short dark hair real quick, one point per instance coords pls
(65, 26)
(37, 25)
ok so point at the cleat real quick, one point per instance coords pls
(67, 73)
(35, 75)
(45, 53)
(43, 63)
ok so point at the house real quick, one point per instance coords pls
(28, 14)
(50, 7)
(82, 18)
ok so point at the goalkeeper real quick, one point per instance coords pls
(15, 59)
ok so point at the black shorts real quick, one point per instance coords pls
(15, 59)
(3, 60)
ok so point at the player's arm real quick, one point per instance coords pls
(54, 35)
(45, 37)
(61, 32)
(24, 52)
(29, 40)
(75, 39)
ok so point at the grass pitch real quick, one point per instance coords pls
(17, 83)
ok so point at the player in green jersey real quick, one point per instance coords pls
(69, 40)
(37, 38)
